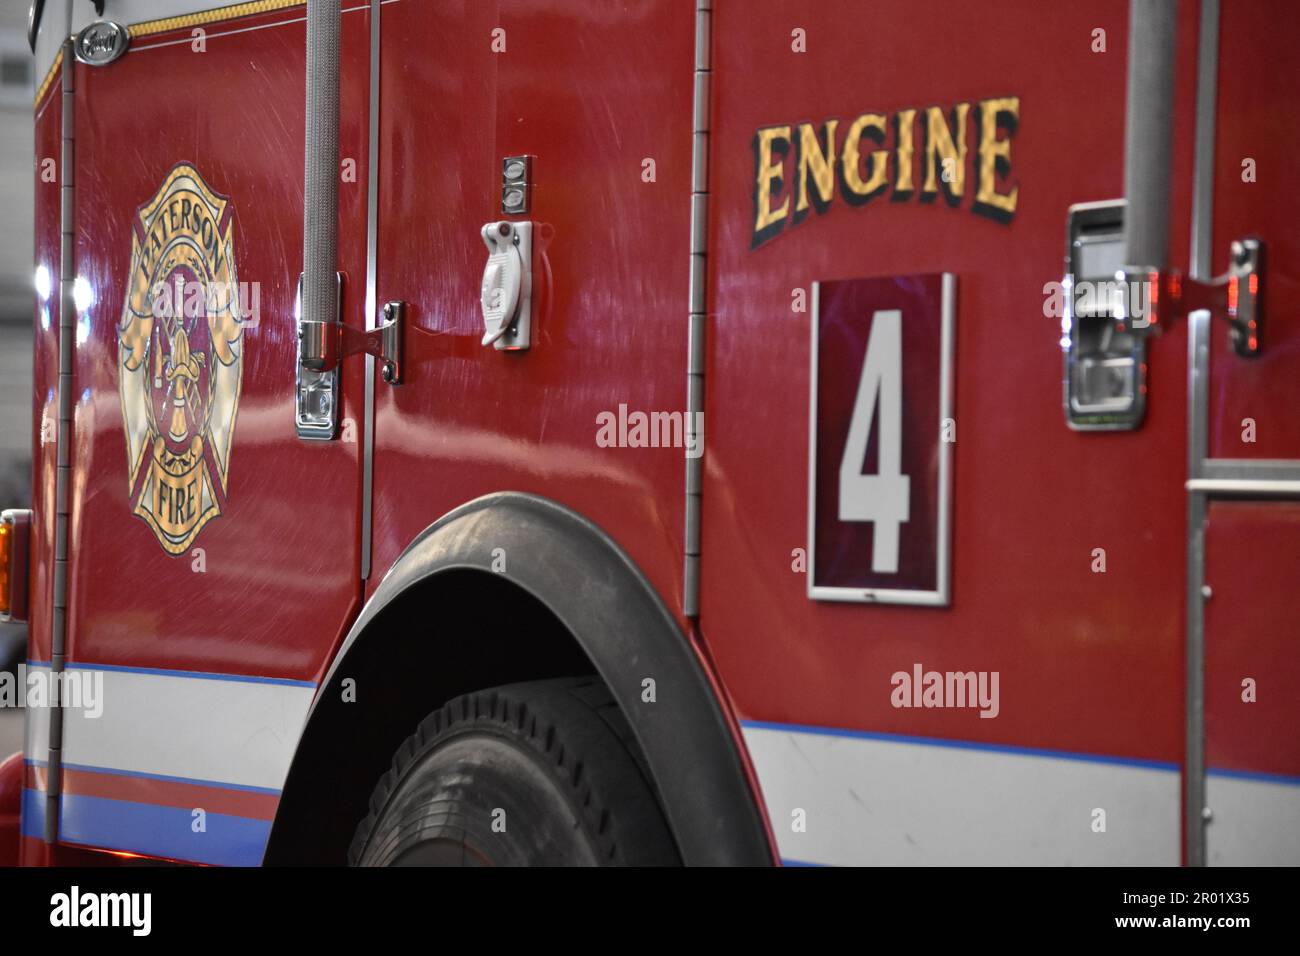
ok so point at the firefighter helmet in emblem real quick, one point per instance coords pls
(180, 358)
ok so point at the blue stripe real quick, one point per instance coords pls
(34, 813)
(162, 672)
(196, 675)
(162, 831)
(785, 861)
(962, 745)
(1256, 775)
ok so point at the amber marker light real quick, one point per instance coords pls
(6, 555)
(14, 534)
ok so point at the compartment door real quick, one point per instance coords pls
(1246, 466)
(214, 553)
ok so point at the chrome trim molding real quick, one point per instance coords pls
(697, 314)
(1245, 469)
(372, 247)
(1198, 389)
(1245, 488)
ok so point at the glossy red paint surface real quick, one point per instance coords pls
(1089, 662)
(1258, 87)
(1252, 549)
(591, 94)
(45, 373)
(45, 377)
(1252, 554)
(280, 579)
(11, 793)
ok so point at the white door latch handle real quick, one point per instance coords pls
(506, 293)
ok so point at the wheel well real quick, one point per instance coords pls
(443, 622)
(455, 632)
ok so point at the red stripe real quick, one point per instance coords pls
(167, 793)
(34, 778)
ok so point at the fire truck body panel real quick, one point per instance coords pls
(592, 98)
(238, 608)
(221, 709)
(1081, 658)
(1252, 131)
(1089, 661)
(1252, 750)
(471, 526)
(1252, 763)
(45, 381)
(217, 706)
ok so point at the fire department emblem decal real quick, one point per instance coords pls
(180, 357)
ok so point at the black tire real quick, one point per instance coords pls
(537, 774)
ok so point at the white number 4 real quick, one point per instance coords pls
(885, 497)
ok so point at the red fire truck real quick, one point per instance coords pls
(662, 431)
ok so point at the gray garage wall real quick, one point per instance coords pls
(16, 262)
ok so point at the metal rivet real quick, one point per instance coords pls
(1207, 814)
(1206, 592)
(388, 371)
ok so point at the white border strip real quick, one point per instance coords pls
(1253, 823)
(942, 595)
(870, 801)
(213, 730)
(36, 732)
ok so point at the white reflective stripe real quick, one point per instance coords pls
(870, 801)
(36, 739)
(1254, 822)
(216, 730)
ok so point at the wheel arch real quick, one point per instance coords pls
(583, 604)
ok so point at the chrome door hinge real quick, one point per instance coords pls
(322, 346)
(385, 343)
